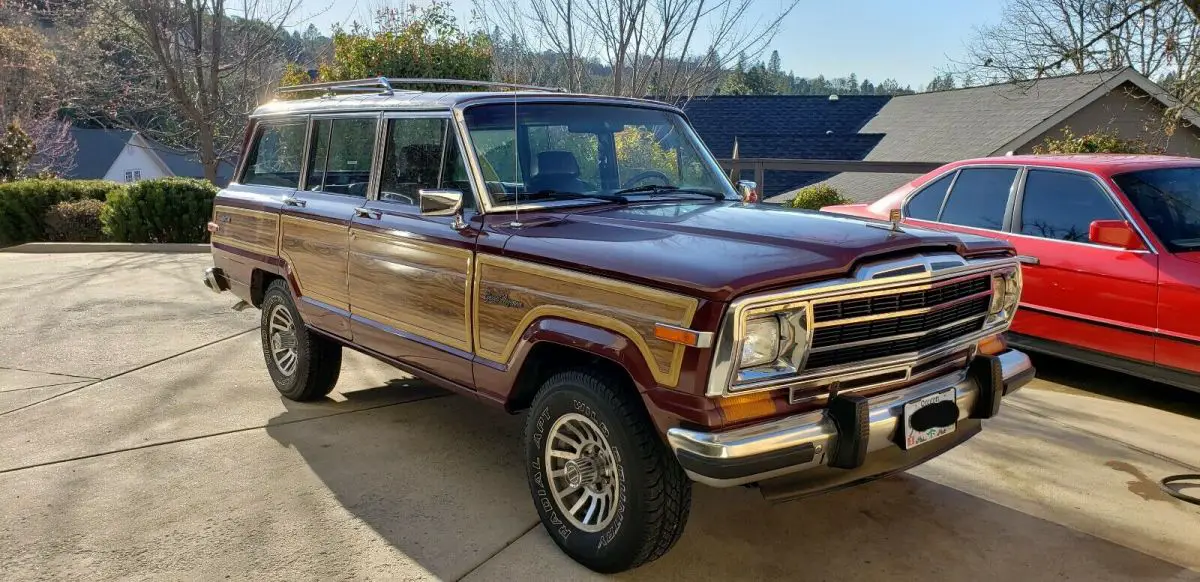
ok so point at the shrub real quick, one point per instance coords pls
(816, 197)
(24, 204)
(1097, 142)
(166, 210)
(75, 221)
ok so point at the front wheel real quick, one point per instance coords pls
(607, 489)
(303, 365)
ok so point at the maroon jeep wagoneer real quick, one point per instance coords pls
(585, 259)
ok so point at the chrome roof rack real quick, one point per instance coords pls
(384, 85)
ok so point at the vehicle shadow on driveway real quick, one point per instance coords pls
(1077, 378)
(442, 481)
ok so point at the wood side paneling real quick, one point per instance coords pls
(419, 287)
(252, 230)
(509, 295)
(316, 252)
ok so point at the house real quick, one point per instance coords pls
(816, 127)
(937, 127)
(128, 156)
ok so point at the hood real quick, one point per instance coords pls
(720, 251)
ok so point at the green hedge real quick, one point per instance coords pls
(166, 210)
(24, 203)
(817, 196)
(75, 221)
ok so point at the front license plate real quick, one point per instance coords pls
(928, 418)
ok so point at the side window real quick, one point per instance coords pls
(1062, 205)
(340, 159)
(421, 154)
(928, 202)
(274, 157)
(979, 197)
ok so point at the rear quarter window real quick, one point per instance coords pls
(275, 155)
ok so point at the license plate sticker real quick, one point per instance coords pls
(928, 418)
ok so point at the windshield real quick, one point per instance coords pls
(1169, 200)
(579, 151)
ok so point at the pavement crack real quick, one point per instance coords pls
(497, 552)
(129, 371)
(41, 386)
(15, 369)
(217, 434)
(1131, 446)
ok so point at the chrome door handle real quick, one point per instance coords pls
(293, 201)
(1028, 260)
(367, 213)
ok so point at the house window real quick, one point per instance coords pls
(133, 175)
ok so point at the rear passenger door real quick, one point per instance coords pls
(1076, 292)
(411, 273)
(315, 222)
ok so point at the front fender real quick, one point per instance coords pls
(593, 339)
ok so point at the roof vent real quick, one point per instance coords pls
(833, 97)
(828, 132)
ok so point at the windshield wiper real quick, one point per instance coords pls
(579, 196)
(663, 188)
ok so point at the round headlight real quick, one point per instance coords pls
(761, 344)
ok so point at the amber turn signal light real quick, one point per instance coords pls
(747, 406)
(684, 336)
(992, 345)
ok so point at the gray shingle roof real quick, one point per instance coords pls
(96, 151)
(945, 126)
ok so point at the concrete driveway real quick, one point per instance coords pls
(140, 438)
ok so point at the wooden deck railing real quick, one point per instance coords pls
(761, 165)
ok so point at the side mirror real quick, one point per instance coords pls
(442, 203)
(748, 191)
(1115, 233)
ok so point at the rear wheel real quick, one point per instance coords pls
(607, 489)
(303, 365)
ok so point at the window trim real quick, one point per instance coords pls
(259, 124)
(1104, 187)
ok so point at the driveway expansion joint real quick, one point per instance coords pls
(217, 434)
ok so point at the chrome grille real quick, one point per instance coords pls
(849, 308)
(891, 328)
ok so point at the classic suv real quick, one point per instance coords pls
(1110, 246)
(584, 258)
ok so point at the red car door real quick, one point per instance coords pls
(1078, 293)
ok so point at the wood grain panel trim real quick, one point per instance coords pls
(520, 292)
(250, 230)
(316, 252)
(422, 288)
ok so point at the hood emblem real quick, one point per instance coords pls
(893, 225)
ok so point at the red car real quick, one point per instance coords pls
(1110, 246)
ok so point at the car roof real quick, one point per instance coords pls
(434, 101)
(1104, 164)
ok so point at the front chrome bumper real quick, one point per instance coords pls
(852, 440)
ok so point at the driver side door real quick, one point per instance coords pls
(411, 272)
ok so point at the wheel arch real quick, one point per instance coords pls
(553, 344)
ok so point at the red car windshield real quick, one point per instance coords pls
(1169, 200)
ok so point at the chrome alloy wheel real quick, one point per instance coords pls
(282, 336)
(582, 472)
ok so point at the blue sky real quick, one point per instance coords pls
(909, 40)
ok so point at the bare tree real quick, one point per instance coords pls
(30, 96)
(666, 47)
(185, 72)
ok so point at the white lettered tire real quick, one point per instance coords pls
(606, 487)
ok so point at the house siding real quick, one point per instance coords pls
(1131, 113)
(133, 158)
